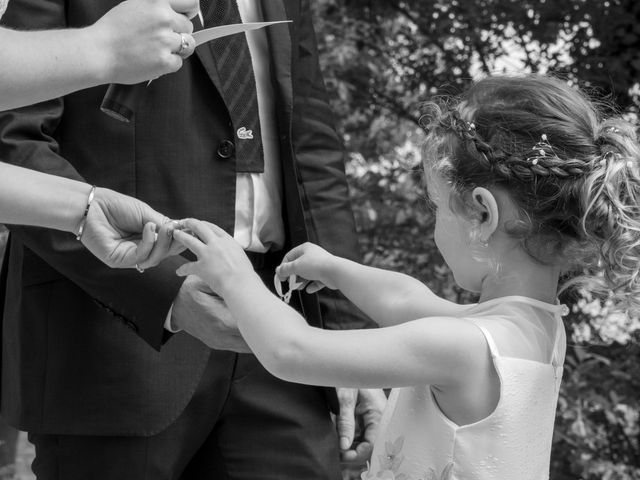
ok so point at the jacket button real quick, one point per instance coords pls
(226, 149)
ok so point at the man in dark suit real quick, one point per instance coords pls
(98, 401)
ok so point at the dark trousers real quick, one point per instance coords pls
(242, 423)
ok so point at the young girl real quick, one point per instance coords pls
(528, 183)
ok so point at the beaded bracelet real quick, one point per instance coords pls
(83, 221)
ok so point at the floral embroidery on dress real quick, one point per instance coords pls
(447, 473)
(391, 461)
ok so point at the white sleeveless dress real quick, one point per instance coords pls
(418, 442)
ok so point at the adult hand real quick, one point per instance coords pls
(360, 408)
(121, 231)
(141, 40)
(204, 315)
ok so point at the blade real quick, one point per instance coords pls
(203, 36)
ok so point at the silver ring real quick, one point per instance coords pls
(141, 270)
(184, 43)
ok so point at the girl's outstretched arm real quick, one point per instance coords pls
(438, 351)
(389, 298)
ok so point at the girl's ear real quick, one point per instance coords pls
(486, 204)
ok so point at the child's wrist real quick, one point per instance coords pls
(241, 281)
(329, 271)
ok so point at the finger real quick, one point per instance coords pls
(186, 269)
(360, 454)
(150, 215)
(189, 241)
(285, 270)
(346, 420)
(145, 245)
(201, 229)
(176, 249)
(314, 287)
(293, 254)
(216, 229)
(186, 44)
(161, 248)
(180, 23)
(189, 8)
(174, 63)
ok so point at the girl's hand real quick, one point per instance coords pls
(221, 263)
(309, 262)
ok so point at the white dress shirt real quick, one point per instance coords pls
(258, 218)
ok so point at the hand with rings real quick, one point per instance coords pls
(141, 40)
(184, 45)
(124, 232)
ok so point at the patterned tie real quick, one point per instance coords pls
(238, 84)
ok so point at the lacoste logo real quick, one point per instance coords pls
(244, 134)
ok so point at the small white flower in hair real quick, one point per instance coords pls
(541, 150)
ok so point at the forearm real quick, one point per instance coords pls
(48, 64)
(28, 197)
(389, 298)
(271, 328)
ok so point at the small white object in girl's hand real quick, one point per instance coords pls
(293, 284)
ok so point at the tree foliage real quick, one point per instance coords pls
(381, 59)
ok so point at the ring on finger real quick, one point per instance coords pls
(184, 44)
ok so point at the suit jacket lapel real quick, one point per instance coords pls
(279, 37)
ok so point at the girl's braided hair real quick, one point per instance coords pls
(573, 174)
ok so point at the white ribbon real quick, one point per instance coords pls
(293, 284)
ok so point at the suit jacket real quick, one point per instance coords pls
(68, 367)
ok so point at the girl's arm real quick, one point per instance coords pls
(437, 351)
(389, 298)
(133, 42)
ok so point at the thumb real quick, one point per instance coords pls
(346, 418)
(285, 270)
(186, 269)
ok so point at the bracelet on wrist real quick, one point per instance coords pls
(83, 220)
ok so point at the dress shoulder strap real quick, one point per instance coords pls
(492, 344)
(559, 329)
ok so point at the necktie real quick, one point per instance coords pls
(238, 85)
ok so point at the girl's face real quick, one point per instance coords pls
(454, 236)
